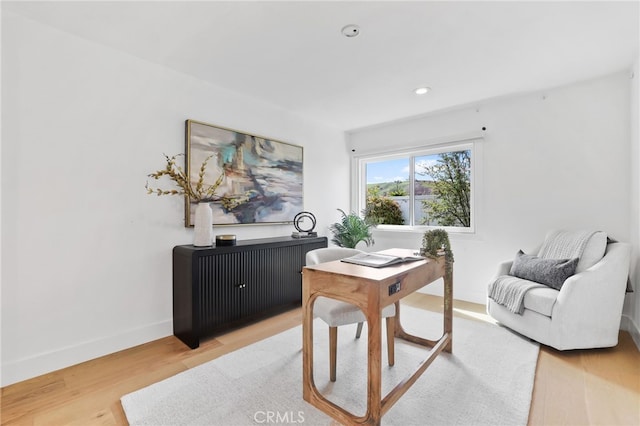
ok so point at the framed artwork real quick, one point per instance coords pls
(265, 174)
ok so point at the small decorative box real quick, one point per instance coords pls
(226, 240)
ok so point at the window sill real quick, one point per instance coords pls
(420, 229)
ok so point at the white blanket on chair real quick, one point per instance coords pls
(565, 244)
(509, 292)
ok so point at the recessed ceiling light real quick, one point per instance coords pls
(422, 90)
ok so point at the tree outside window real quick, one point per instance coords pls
(427, 187)
(449, 175)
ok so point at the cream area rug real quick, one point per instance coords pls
(487, 380)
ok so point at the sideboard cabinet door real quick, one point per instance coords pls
(220, 285)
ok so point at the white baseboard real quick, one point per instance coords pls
(627, 324)
(47, 362)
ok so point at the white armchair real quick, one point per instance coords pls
(336, 312)
(584, 313)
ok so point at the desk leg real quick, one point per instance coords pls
(447, 329)
(448, 308)
(307, 345)
(374, 358)
(374, 354)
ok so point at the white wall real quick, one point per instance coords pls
(631, 321)
(558, 159)
(86, 254)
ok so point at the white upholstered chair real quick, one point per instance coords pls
(585, 312)
(336, 313)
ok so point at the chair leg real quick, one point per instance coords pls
(359, 330)
(333, 347)
(391, 322)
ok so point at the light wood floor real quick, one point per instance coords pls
(596, 387)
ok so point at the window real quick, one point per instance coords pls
(431, 186)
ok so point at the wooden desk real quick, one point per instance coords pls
(372, 289)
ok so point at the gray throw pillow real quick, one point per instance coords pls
(550, 272)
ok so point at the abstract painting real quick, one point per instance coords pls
(266, 174)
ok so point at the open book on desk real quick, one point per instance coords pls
(379, 260)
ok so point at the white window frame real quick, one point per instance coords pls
(359, 184)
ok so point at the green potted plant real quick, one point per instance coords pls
(435, 242)
(351, 230)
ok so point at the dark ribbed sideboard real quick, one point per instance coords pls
(217, 288)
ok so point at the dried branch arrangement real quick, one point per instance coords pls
(201, 192)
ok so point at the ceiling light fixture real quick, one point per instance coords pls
(422, 90)
(350, 30)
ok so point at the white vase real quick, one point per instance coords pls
(203, 226)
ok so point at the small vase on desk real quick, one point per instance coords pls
(203, 225)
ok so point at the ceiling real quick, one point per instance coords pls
(293, 54)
